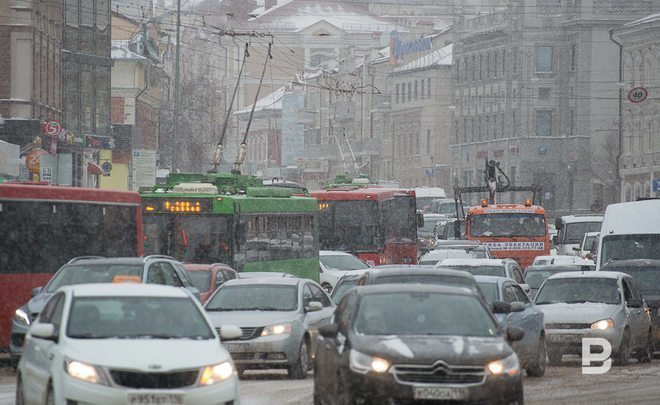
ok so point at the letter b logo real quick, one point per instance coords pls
(588, 356)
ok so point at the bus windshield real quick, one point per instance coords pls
(623, 247)
(573, 232)
(399, 218)
(508, 224)
(349, 224)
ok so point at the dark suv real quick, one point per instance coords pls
(154, 269)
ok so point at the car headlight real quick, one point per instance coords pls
(85, 372)
(217, 373)
(509, 365)
(603, 324)
(363, 363)
(21, 317)
(279, 329)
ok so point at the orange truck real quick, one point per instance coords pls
(516, 231)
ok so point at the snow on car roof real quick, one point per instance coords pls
(588, 274)
(472, 262)
(124, 290)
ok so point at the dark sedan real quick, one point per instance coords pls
(411, 343)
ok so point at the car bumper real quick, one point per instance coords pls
(264, 352)
(569, 341)
(79, 392)
(16, 339)
(385, 388)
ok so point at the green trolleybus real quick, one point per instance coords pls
(232, 219)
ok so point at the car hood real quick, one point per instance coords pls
(38, 302)
(171, 354)
(577, 313)
(250, 318)
(456, 350)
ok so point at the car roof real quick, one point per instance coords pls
(404, 267)
(263, 274)
(589, 274)
(453, 242)
(428, 270)
(124, 290)
(264, 280)
(202, 267)
(472, 262)
(555, 267)
(334, 253)
(582, 218)
(633, 263)
(109, 260)
(413, 288)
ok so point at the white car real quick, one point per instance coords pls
(562, 260)
(508, 268)
(335, 265)
(125, 344)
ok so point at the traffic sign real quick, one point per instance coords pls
(656, 185)
(53, 128)
(638, 94)
(106, 166)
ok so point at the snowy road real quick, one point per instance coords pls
(633, 384)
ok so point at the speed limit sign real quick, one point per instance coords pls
(638, 94)
(53, 128)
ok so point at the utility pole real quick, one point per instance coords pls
(175, 123)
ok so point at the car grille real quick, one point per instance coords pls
(248, 333)
(132, 379)
(237, 356)
(567, 325)
(439, 373)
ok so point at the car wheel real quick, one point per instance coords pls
(326, 287)
(645, 354)
(622, 354)
(554, 357)
(298, 370)
(537, 369)
(19, 391)
(50, 396)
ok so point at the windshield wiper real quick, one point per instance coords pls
(150, 336)
(577, 302)
(88, 336)
(546, 302)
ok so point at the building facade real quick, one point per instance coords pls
(639, 166)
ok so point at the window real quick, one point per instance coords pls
(409, 91)
(514, 124)
(416, 89)
(512, 175)
(522, 297)
(573, 57)
(48, 312)
(428, 87)
(544, 123)
(572, 122)
(544, 92)
(397, 93)
(495, 127)
(514, 61)
(428, 140)
(544, 59)
(422, 84)
(319, 295)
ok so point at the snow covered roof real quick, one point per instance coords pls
(646, 20)
(273, 101)
(120, 51)
(439, 57)
(295, 15)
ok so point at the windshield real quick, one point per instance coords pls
(400, 219)
(509, 224)
(256, 297)
(442, 279)
(590, 242)
(622, 247)
(429, 225)
(573, 232)
(342, 287)
(647, 278)
(578, 291)
(343, 262)
(96, 273)
(498, 271)
(422, 313)
(534, 278)
(445, 207)
(425, 203)
(489, 291)
(136, 317)
(201, 279)
(348, 225)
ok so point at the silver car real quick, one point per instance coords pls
(599, 304)
(531, 349)
(278, 318)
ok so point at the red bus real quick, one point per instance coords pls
(379, 225)
(43, 227)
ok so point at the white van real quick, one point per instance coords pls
(630, 230)
(426, 195)
(571, 230)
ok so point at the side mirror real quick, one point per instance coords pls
(230, 332)
(501, 307)
(329, 330)
(514, 334)
(559, 223)
(554, 240)
(420, 219)
(314, 306)
(36, 291)
(44, 331)
(517, 306)
(327, 288)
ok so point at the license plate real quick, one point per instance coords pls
(566, 338)
(234, 347)
(440, 393)
(154, 398)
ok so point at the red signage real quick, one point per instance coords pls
(33, 160)
(53, 128)
(498, 153)
(482, 154)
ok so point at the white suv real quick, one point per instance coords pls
(334, 265)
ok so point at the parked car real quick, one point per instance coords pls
(154, 269)
(646, 273)
(105, 344)
(263, 274)
(563, 260)
(345, 284)
(208, 277)
(421, 275)
(536, 275)
(487, 267)
(531, 348)
(600, 304)
(278, 318)
(398, 343)
(336, 264)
